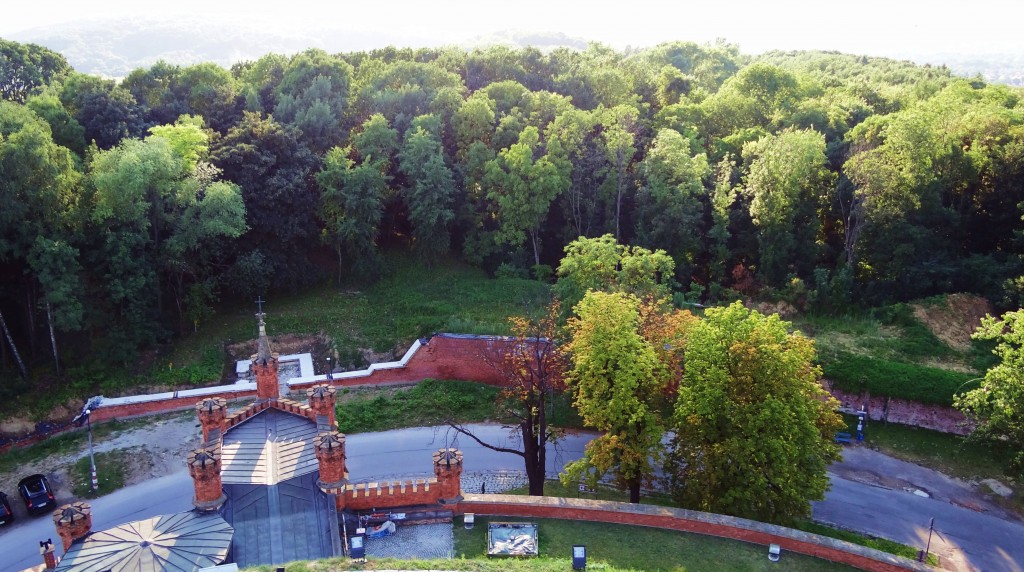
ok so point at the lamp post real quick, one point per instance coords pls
(86, 415)
(92, 459)
(329, 368)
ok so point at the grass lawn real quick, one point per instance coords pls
(110, 469)
(431, 402)
(64, 443)
(610, 548)
(944, 452)
(411, 301)
(621, 547)
(557, 489)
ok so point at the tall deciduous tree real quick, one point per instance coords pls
(532, 364)
(313, 96)
(616, 378)
(619, 138)
(429, 196)
(39, 221)
(788, 181)
(274, 170)
(523, 187)
(27, 67)
(753, 426)
(672, 202)
(604, 264)
(352, 204)
(998, 403)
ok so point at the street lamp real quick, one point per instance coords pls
(86, 414)
(329, 368)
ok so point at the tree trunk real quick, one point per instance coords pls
(536, 249)
(53, 338)
(533, 457)
(634, 491)
(619, 184)
(14, 348)
(340, 260)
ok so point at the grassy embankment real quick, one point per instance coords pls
(411, 301)
(610, 548)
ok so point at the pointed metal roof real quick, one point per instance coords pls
(263, 353)
(269, 447)
(182, 542)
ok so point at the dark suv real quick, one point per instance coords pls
(38, 495)
(6, 514)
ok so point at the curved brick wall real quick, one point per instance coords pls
(688, 521)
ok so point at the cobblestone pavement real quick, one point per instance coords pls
(493, 482)
(414, 541)
(437, 540)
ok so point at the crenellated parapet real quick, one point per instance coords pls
(322, 400)
(390, 494)
(204, 466)
(448, 470)
(212, 413)
(73, 521)
(444, 488)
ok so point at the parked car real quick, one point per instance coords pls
(38, 495)
(6, 514)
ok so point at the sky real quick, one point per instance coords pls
(872, 27)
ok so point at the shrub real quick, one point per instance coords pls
(855, 373)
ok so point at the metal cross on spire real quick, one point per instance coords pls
(262, 344)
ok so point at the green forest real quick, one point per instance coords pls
(130, 209)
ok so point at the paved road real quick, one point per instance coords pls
(875, 494)
(968, 538)
(370, 456)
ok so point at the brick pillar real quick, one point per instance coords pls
(265, 371)
(322, 400)
(448, 469)
(49, 557)
(330, 452)
(73, 521)
(212, 413)
(204, 466)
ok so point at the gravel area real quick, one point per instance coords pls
(159, 446)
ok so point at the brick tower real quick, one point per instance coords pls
(322, 401)
(264, 364)
(330, 452)
(204, 466)
(73, 521)
(212, 413)
(448, 470)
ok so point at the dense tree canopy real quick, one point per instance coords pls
(752, 425)
(873, 179)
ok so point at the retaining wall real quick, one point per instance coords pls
(688, 521)
(443, 356)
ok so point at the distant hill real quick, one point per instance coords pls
(114, 47)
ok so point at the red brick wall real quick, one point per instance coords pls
(676, 519)
(104, 413)
(441, 358)
(391, 494)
